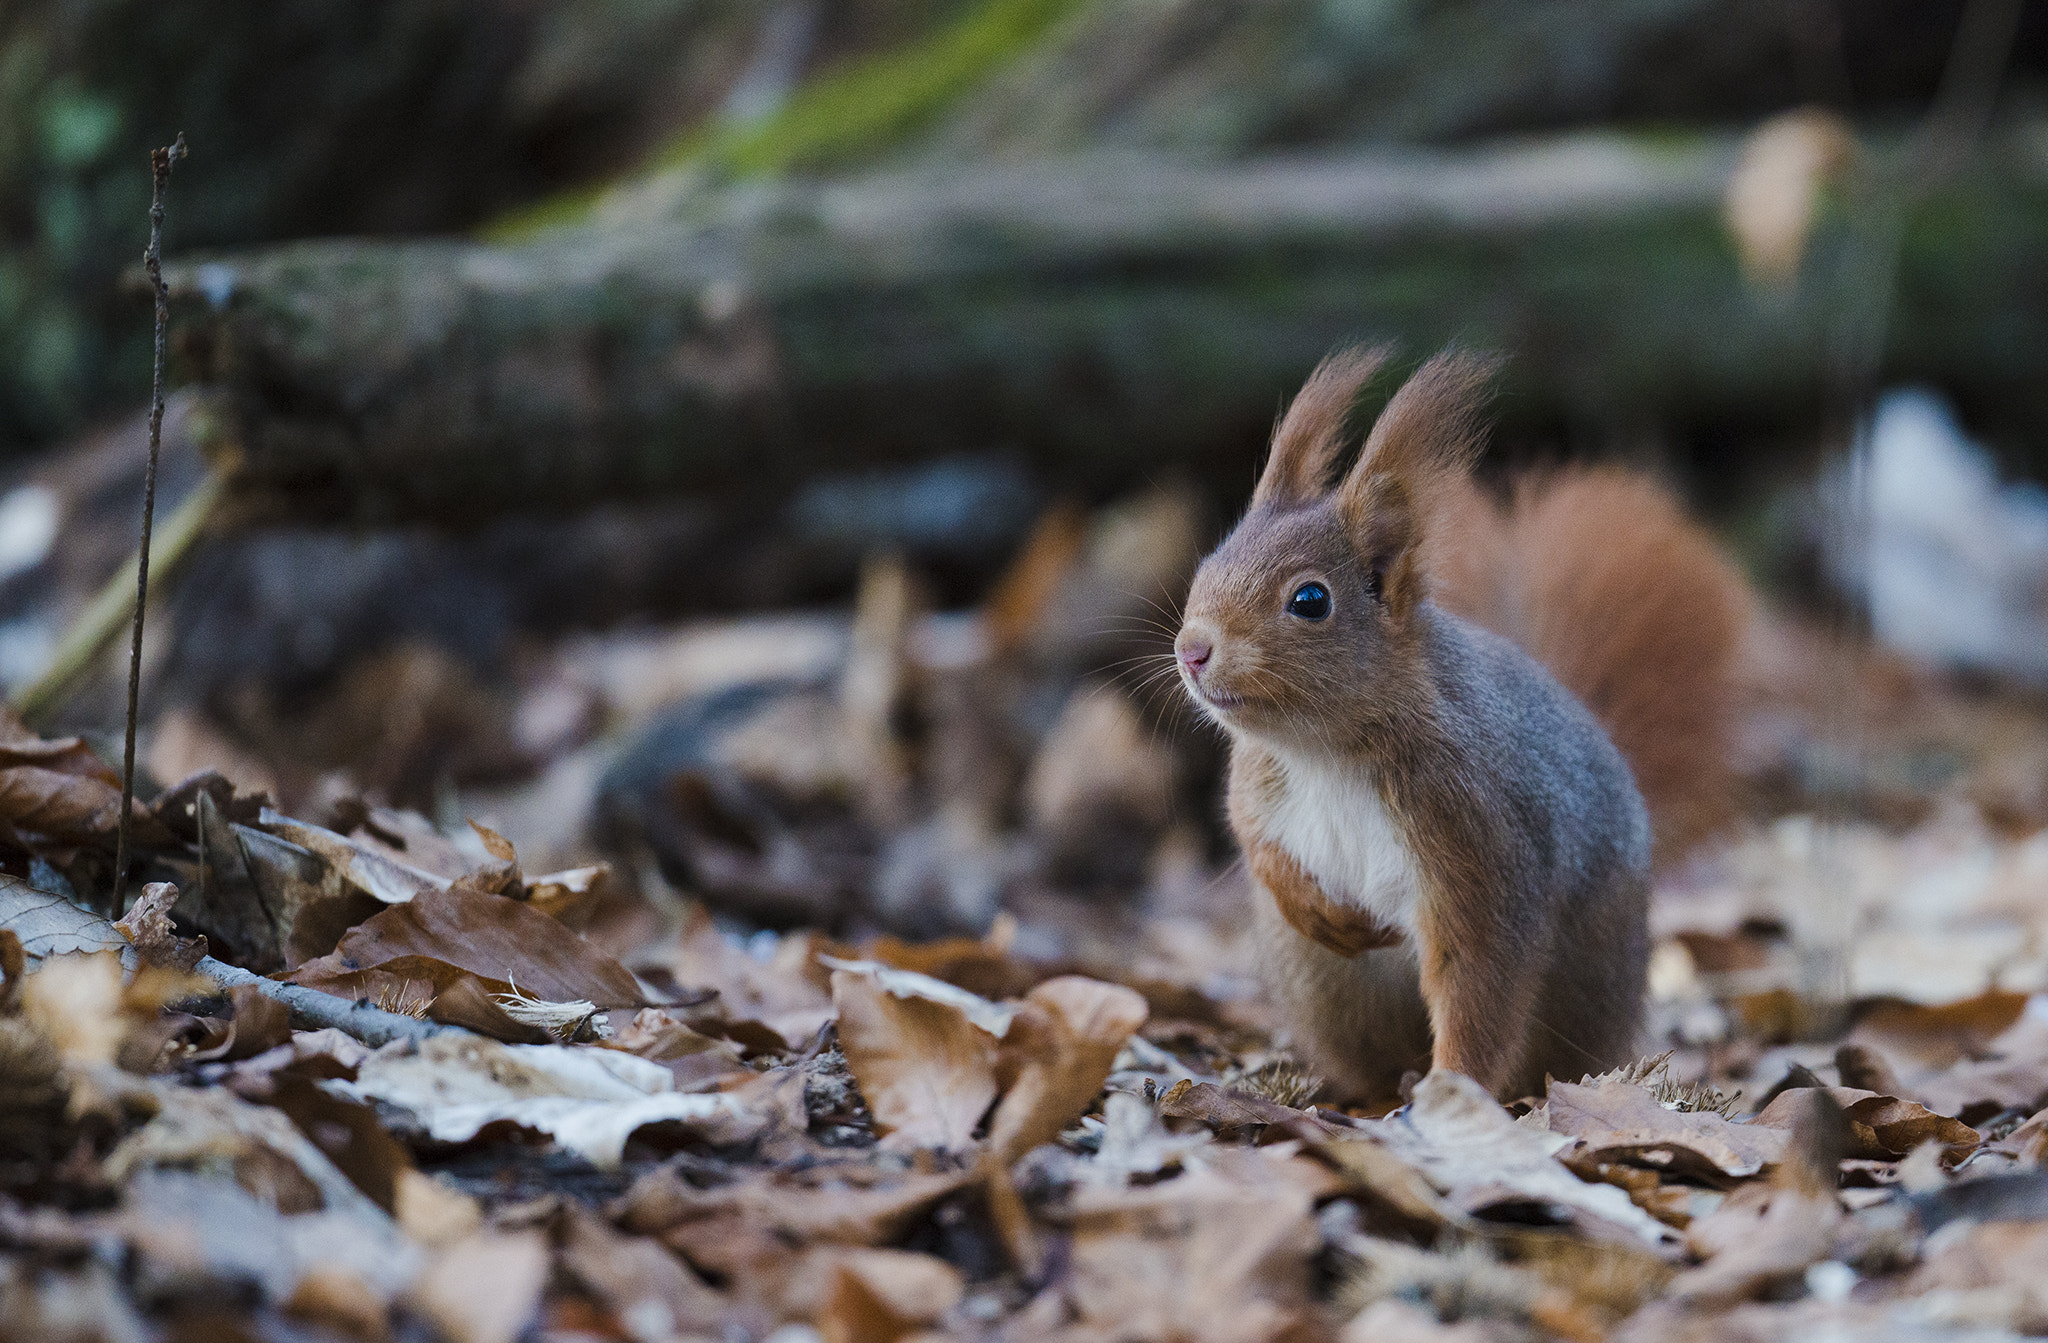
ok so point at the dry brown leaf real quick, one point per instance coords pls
(148, 926)
(588, 1100)
(1767, 1233)
(50, 925)
(1221, 1108)
(1938, 1036)
(256, 1023)
(1478, 1157)
(1201, 1258)
(640, 1281)
(1055, 1058)
(431, 989)
(928, 1073)
(75, 1002)
(491, 937)
(1991, 1274)
(55, 794)
(720, 1230)
(364, 867)
(569, 894)
(1763, 1235)
(692, 1058)
(1880, 1127)
(2010, 1071)
(879, 1296)
(484, 1289)
(1617, 1120)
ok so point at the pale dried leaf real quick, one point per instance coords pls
(927, 1072)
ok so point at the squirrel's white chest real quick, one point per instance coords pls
(1331, 819)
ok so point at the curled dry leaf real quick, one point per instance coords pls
(927, 1071)
(1228, 1108)
(1616, 1120)
(732, 1230)
(148, 926)
(56, 794)
(637, 1279)
(992, 1017)
(587, 1099)
(366, 869)
(1879, 1127)
(1056, 1057)
(256, 1023)
(1990, 1274)
(1478, 1157)
(566, 895)
(879, 1296)
(489, 936)
(1200, 1258)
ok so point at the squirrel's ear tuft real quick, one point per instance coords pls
(1310, 435)
(1422, 445)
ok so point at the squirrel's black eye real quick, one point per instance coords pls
(1311, 601)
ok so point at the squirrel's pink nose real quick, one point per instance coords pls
(1194, 655)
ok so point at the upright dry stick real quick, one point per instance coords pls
(160, 161)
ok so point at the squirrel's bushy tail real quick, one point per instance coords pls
(1602, 577)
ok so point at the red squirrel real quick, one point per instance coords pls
(1451, 856)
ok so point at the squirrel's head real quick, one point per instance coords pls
(1302, 622)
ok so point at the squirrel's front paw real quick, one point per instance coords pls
(1311, 912)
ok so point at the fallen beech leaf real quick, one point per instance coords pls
(257, 1023)
(1993, 1272)
(1207, 1103)
(927, 1071)
(377, 875)
(484, 1289)
(214, 1126)
(993, 1018)
(879, 1296)
(1762, 1235)
(1880, 1127)
(148, 925)
(1478, 1157)
(1621, 1121)
(1938, 1036)
(2010, 1070)
(347, 1134)
(196, 1232)
(567, 894)
(1200, 1258)
(60, 793)
(1057, 1056)
(1766, 1233)
(722, 1228)
(75, 1002)
(637, 1279)
(587, 1099)
(50, 925)
(690, 1056)
(491, 937)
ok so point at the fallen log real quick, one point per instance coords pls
(1107, 315)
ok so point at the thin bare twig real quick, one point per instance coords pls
(160, 163)
(313, 1010)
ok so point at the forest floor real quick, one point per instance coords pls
(649, 1052)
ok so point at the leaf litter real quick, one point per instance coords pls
(894, 988)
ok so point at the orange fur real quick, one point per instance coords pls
(1599, 574)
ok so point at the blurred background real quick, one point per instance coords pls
(761, 444)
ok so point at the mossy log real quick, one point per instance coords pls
(1106, 315)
